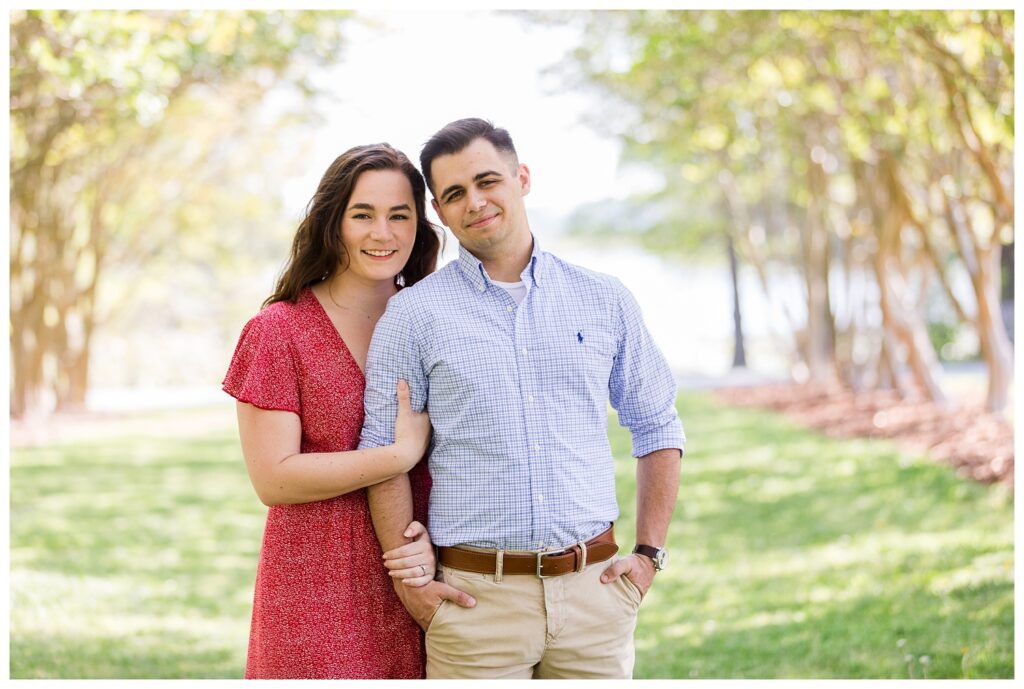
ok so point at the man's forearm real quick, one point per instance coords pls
(391, 510)
(657, 486)
(657, 483)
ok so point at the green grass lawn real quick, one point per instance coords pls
(792, 556)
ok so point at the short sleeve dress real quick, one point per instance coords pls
(324, 606)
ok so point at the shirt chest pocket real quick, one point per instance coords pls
(579, 357)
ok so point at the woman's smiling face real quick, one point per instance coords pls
(379, 225)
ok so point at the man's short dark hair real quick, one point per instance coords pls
(455, 136)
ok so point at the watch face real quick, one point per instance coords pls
(661, 560)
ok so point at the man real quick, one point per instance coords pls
(516, 354)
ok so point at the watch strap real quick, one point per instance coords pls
(657, 555)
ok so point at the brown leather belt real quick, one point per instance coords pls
(543, 565)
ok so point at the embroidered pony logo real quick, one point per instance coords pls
(579, 336)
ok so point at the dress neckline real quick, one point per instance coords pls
(326, 321)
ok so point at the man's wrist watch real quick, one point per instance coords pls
(658, 555)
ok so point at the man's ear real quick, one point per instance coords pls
(437, 209)
(523, 175)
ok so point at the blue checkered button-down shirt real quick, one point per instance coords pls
(518, 398)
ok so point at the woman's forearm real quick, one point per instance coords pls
(313, 476)
(282, 474)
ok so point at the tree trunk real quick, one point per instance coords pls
(736, 210)
(901, 319)
(889, 376)
(739, 354)
(820, 327)
(996, 349)
(32, 305)
(906, 324)
(1006, 288)
(983, 267)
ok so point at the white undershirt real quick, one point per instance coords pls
(516, 289)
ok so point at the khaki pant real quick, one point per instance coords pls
(567, 627)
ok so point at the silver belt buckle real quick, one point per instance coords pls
(540, 565)
(561, 551)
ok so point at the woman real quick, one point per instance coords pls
(324, 605)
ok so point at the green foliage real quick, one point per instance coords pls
(752, 91)
(134, 550)
(877, 143)
(116, 66)
(131, 133)
(952, 341)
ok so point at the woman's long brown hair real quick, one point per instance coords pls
(317, 250)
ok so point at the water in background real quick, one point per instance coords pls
(688, 308)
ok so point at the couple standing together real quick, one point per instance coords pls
(511, 356)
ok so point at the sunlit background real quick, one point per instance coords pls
(173, 181)
(819, 197)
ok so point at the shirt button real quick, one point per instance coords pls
(540, 498)
(536, 448)
(509, 309)
(530, 398)
(524, 350)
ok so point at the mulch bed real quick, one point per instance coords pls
(977, 444)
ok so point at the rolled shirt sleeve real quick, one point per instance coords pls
(641, 387)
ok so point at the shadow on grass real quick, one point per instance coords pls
(796, 555)
(158, 534)
(848, 639)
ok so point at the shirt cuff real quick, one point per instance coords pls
(670, 435)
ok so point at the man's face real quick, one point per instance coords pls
(479, 197)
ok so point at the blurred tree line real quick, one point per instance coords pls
(871, 152)
(135, 136)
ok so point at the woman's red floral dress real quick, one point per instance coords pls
(324, 605)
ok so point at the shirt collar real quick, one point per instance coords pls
(474, 271)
